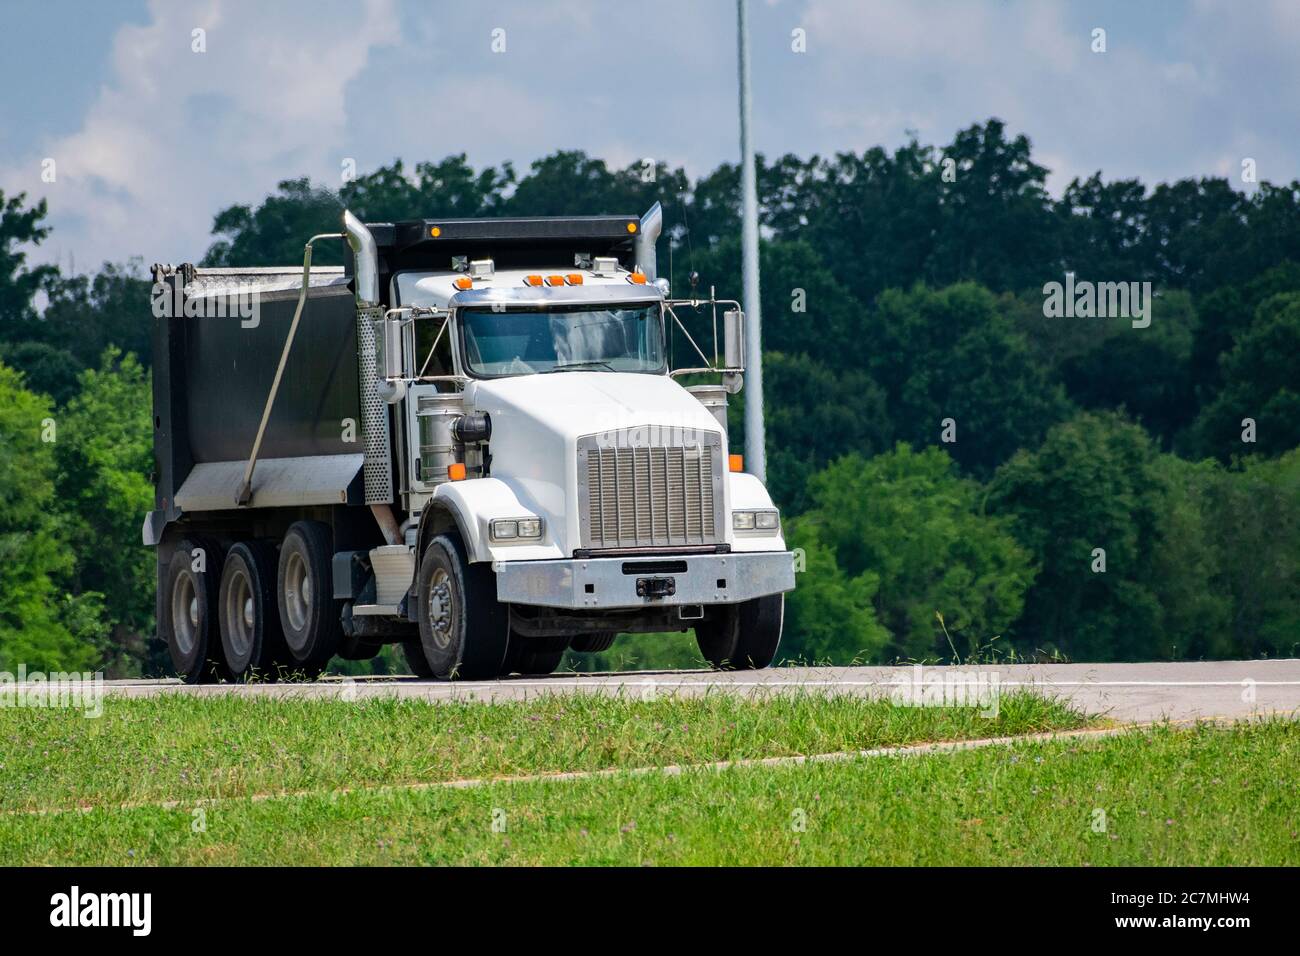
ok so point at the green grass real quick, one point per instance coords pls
(1171, 797)
(300, 781)
(184, 748)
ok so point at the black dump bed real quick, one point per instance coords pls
(213, 371)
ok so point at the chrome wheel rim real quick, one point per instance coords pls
(185, 613)
(441, 608)
(239, 616)
(297, 598)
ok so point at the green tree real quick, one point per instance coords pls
(952, 354)
(814, 415)
(18, 284)
(1095, 485)
(830, 617)
(1252, 518)
(88, 314)
(35, 613)
(911, 523)
(104, 456)
(1260, 382)
(45, 369)
(275, 233)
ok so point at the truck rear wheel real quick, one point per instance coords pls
(309, 615)
(589, 643)
(251, 637)
(534, 655)
(464, 630)
(743, 636)
(188, 623)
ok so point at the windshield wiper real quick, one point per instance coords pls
(579, 365)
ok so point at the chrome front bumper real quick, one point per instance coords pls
(613, 582)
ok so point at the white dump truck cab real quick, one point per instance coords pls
(537, 478)
(596, 491)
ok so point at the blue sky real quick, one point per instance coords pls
(151, 139)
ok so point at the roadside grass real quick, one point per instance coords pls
(1170, 796)
(185, 748)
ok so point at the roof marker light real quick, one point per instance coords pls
(574, 278)
(463, 283)
(554, 280)
(637, 278)
(532, 280)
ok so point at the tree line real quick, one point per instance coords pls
(964, 474)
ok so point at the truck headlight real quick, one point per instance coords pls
(766, 520)
(512, 529)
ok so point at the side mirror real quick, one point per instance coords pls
(389, 364)
(389, 359)
(733, 347)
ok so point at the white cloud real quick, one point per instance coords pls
(174, 134)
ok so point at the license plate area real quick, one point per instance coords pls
(656, 587)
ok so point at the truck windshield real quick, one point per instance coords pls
(523, 342)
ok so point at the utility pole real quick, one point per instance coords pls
(755, 455)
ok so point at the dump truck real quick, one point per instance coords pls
(467, 439)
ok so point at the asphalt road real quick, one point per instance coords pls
(1124, 692)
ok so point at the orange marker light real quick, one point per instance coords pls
(574, 278)
(463, 283)
(555, 280)
(456, 471)
(436, 231)
(637, 278)
(532, 280)
(734, 462)
(631, 227)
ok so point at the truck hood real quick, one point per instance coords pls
(538, 419)
(568, 405)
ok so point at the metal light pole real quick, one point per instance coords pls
(755, 456)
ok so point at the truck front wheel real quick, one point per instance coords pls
(464, 630)
(744, 636)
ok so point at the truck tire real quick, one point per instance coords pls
(533, 655)
(358, 649)
(413, 651)
(251, 637)
(464, 630)
(188, 623)
(743, 636)
(590, 643)
(309, 615)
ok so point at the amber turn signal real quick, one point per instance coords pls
(735, 462)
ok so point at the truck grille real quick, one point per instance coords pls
(650, 496)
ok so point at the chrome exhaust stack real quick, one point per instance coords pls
(378, 470)
(652, 224)
(366, 256)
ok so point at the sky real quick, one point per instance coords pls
(150, 137)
